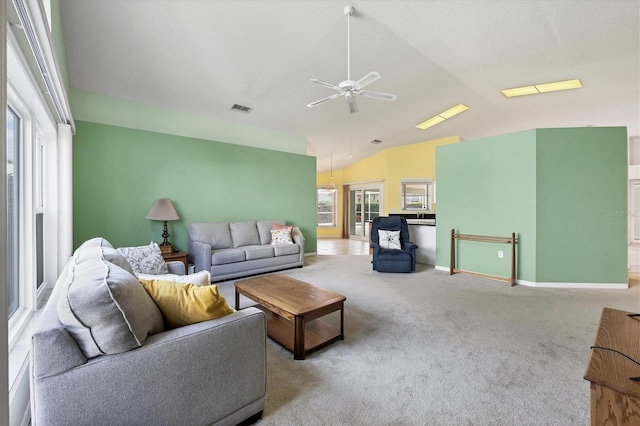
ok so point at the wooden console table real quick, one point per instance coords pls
(484, 239)
(615, 397)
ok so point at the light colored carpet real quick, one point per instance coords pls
(431, 349)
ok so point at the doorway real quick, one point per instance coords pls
(364, 205)
(634, 211)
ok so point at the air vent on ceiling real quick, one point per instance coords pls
(242, 108)
(376, 141)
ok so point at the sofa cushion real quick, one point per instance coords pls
(106, 309)
(258, 252)
(286, 249)
(281, 236)
(244, 233)
(145, 259)
(216, 234)
(184, 304)
(198, 278)
(264, 229)
(108, 253)
(224, 256)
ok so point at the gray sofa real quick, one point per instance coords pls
(236, 249)
(211, 372)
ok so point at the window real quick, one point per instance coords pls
(13, 210)
(326, 207)
(417, 194)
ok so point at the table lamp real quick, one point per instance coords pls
(163, 210)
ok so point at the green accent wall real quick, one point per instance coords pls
(581, 212)
(562, 191)
(488, 187)
(119, 172)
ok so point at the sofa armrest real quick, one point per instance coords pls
(298, 238)
(218, 366)
(200, 255)
(176, 267)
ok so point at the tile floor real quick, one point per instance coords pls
(342, 246)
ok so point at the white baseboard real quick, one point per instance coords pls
(593, 286)
(607, 286)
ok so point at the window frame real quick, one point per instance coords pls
(429, 187)
(334, 204)
(37, 130)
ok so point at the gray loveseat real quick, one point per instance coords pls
(236, 249)
(208, 373)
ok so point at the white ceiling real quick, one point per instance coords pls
(203, 56)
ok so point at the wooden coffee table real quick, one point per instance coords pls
(293, 312)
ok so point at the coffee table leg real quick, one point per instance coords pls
(237, 301)
(298, 338)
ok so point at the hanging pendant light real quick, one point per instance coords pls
(331, 186)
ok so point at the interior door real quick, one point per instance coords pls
(364, 206)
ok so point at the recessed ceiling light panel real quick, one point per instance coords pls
(444, 115)
(542, 88)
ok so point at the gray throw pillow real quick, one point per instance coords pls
(264, 229)
(106, 309)
(216, 234)
(108, 253)
(95, 242)
(244, 233)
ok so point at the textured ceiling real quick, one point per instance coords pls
(203, 56)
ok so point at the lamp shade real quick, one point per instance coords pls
(163, 210)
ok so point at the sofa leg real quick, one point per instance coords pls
(251, 420)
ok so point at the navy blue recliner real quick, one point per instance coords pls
(390, 259)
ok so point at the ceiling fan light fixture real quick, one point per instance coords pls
(542, 88)
(444, 115)
(349, 87)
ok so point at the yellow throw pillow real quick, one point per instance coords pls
(183, 304)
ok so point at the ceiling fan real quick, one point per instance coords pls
(349, 88)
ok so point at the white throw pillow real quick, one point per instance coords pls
(145, 259)
(199, 278)
(389, 239)
(281, 236)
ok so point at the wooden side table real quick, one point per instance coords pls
(181, 256)
(615, 391)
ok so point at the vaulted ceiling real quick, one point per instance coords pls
(202, 56)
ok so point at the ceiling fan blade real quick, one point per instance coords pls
(367, 79)
(328, 98)
(351, 103)
(325, 84)
(377, 95)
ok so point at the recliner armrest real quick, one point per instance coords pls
(409, 246)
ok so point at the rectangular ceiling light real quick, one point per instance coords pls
(559, 85)
(439, 118)
(542, 88)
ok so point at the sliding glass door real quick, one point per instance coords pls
(364, 205)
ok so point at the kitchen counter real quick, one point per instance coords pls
(422, 232)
